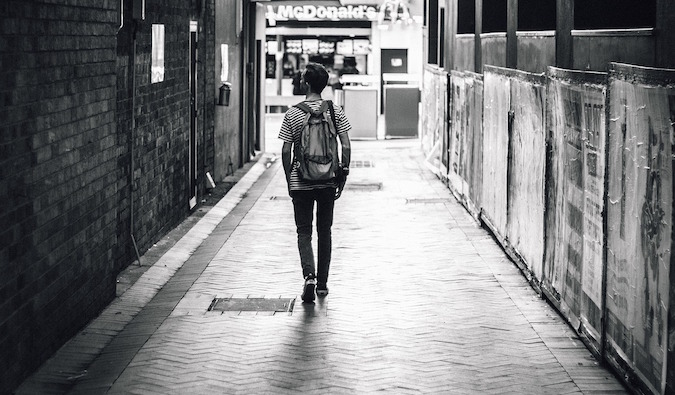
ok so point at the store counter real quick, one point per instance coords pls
(360, 105)
(401, 105)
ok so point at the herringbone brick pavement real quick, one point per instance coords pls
(422, 300)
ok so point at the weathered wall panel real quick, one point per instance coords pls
(434, 103)
(457, 133)
(464, 56)
(493, 49)
(429, 116)
(496, 108)
(474, 163)
(428, 105)
(526, 169)
(639, 219)
(466, 138)
(593, 49)
(536, 51)
(431, 136)
(575, 236)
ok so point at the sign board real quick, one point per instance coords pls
(312, 12)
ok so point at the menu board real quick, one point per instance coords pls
(345, 47)
(310, 46)
(293, 46)
(361, 47)
(326, 47)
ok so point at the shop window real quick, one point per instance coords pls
(466, 16)
(614, 14)
(532, 15)
(441, 39)
(157, 66)
(536, 15)
(432, 44)
(494, 16)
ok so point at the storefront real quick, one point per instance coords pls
(346, 37)
(339, 37)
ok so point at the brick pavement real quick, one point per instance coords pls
(421, 300)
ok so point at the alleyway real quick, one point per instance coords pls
(422, 300)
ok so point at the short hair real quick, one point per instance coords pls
(316, 76)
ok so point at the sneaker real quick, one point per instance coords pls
(321, 289)
(308, 289)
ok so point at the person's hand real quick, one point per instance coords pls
(338, 192)
(341, 185)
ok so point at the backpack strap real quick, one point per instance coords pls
(306, 108)
(303, 106)
(332, 113)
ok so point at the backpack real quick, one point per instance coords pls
(317, 153)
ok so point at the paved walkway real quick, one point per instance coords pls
(421, 300)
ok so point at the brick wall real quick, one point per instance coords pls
(66, 182)
(58, 175)
(160, 141)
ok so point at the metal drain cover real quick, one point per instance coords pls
(278, 305)
(427, 201)
(361, 163)
(363, 186)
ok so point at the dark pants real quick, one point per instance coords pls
(303, 205)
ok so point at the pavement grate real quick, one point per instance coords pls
(278, 305)
(427, 201)
(364, 186)
(361, 163)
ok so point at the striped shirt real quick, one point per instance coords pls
(290, 131)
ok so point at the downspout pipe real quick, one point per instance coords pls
(131, 143)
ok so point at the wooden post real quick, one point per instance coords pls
(665, 57)
(478, 47)
(511, 36)
(665, 34)
(564, 23)
(450, 33)
(665, 42)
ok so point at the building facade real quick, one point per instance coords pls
(109, 123)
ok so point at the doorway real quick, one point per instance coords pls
(250, 102)
(192, 172)
(391, 61)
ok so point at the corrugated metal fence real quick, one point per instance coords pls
(573, 173)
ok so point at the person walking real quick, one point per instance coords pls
(305, 193)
